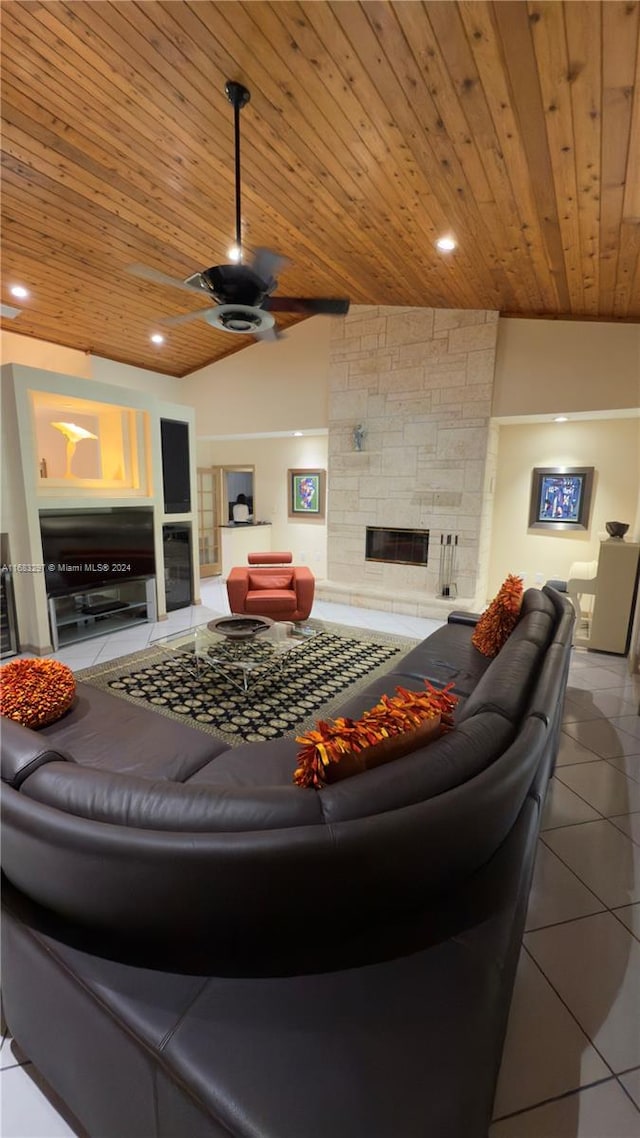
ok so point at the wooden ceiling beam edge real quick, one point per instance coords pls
(517, 51)
(584, 43)
(456, 84)
(467, 236)
(343, 98)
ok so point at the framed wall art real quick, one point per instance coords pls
(560, 497)
(306, 493)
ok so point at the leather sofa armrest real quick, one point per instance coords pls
(304, 584)
(460, 617)
(237, 588)
(23, 751)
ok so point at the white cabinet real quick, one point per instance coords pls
(614, 591)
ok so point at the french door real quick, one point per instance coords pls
(209, 520)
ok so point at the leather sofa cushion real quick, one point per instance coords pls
(544, 700)
(535, 626)
(108, 733)
(23, 752)
(265, 601)
(426, 773)
(251, 765)
(447, 656)
(143, 804)
(537, 600)
(564, 630)
(506, 685)
(270, 580)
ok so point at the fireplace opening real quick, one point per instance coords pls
(397, 546)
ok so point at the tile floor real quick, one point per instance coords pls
(571, 1064)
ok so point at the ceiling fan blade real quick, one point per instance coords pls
(186, 318)
(266, 264)
(157, 277)
(269, 334)
(307, 306)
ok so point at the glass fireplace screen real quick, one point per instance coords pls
(399, 546)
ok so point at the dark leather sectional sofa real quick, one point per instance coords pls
(195, 948)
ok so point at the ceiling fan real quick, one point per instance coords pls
(242, 293)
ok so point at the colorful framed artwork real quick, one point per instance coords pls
(560, 497)
(306, 493)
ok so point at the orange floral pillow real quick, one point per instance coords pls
(499, 620)
(36, 692)
(394, 727)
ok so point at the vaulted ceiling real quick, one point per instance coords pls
(373, 129)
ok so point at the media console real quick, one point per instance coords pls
(97, 611)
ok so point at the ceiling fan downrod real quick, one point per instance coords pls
(238, 96)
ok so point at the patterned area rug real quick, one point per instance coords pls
(317, 677)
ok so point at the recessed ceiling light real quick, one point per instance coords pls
(561, 419)
(446, 244)
(156, 338)
(234, 254)
(296, 433)
(19, 291)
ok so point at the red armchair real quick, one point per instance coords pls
(271, 586)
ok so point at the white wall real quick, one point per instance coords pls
(269, 386)
(138, 378)
(17, 349)
(272, 458)
(611, 446)
(554, 366)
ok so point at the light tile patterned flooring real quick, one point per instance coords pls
(571, 1064)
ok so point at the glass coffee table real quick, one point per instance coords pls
(238, 655)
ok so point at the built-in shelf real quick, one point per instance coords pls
(97, 612)
(89, 446)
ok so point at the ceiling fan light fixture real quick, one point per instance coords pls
(243, 293)
(446, 244)
(240, 318)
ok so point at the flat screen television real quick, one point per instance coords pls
(89, 548)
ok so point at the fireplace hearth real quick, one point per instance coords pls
(397, 546)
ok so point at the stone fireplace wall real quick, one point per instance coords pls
(419, 382)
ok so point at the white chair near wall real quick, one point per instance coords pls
(582, 585)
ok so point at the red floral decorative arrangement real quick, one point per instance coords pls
(36, 692)
(346, 746)
(499, 620)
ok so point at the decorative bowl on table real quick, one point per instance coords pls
(616, 529)
(240, 627)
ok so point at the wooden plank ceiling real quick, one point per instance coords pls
(373, 129)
